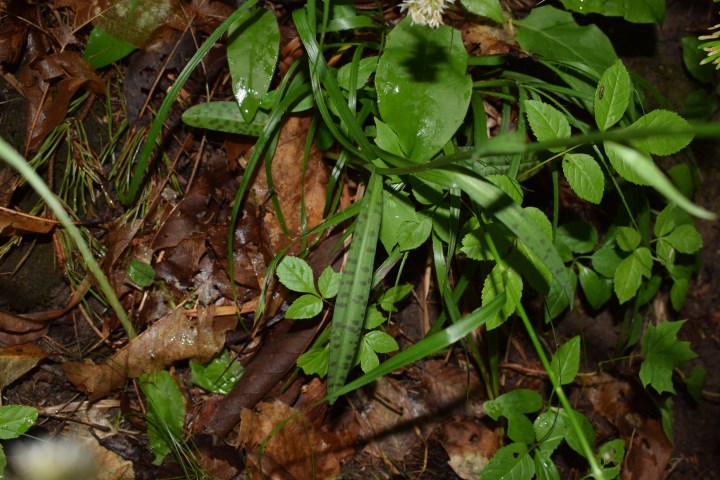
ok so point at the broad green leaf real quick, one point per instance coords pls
(381, 342)
(684, 177)
(224, 117)
(386, 138)
(586, 430)
(584, 176)
(412, 235)
(165, 412)
(510, 186)
(665, 252)
(16, 420)
(627, 238)
(511, 462)
(550, 430)
(314, 361)
(398, 210)
(545, 468)
(669, 218)
(352, 298)
(577, 236)
(305, 306)
(546, 122)
(630, 273)
(642, 170)
(692, 56)
(685, 239)
(661, 144)
(219, 376)
(597, 290)
(533, 269)
(555, 36)
(373, 317)
(521, 400)
(367, 357)
(296, 274)
(252, 52)
(366, 68)
(610, 457)
(502, 278)
(678, 293)
(638, 11)
(606, 261)
(663, 352)
(566, 361)
(485, 8)
(140, 273)
(329, 282)
(102, 48)
(612, 96)
(475, 246)
(556, 301)
(422, 86)
(392, 296)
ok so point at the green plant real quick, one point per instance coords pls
(14, 421)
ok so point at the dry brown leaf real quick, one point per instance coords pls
(174, 337)
(469, 445)
(609, 397)
(13, 222)
(296, 451)
(648, 454)
(17, 361)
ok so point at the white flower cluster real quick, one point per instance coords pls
(54, 459)
(426, 12)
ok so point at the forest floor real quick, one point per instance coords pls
(423, 421)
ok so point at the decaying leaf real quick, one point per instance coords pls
(174, 337)
(17, 361)
(469, 445)
(297, 450)
(13, 222)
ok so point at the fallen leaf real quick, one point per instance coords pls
(13, 222)
(174, 337)
(469, 445)
(649, 453)
(17, 361)
(295, 451)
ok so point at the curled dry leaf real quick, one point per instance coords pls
(13, 222)
(17, 361)
(296, 451)
(174, 337)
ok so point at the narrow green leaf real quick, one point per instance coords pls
(566, 361)
(546, 122)
(678, 293)
(485, 8)
(252, 52)
(643, 168)
(661, 144)
(305, 306)
(355, 283)
(612, 96)
(663, 352)
(165, 412)
(296, 274)
(685, 239)
(502, 278)
(630, 273)
(224, 117)
(584, 176)
(398, 210)
(638, 11)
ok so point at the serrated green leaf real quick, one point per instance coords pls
(392, 296)
(305, 306)
(678, 293)
(546, 122)
(510, 186)
(412, 234)
(366, 68)
(413, 98)
(314, 361)
(252, 52)
(475, 246)
(612, 96)
(584, 176)
(669, 218)
(165, 412)
(296, 274)
(502, 278)
(685, 239)
(550, 430)
(630, 273)
(566, 361)
(663, 352)
(485, 8)
(597, 290)
(577, 236)
(511, 462)
(627, 170)
(219, 376)
(16, 420)
(627, 238)
(328, 283)
(381, 342)
(661, 144)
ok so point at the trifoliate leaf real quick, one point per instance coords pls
(296, 274)
(685, 239)
(663, 352)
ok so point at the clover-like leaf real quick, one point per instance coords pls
(663, 352)
(296, 274)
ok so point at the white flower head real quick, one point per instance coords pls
(426, 12)
(54, 459)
